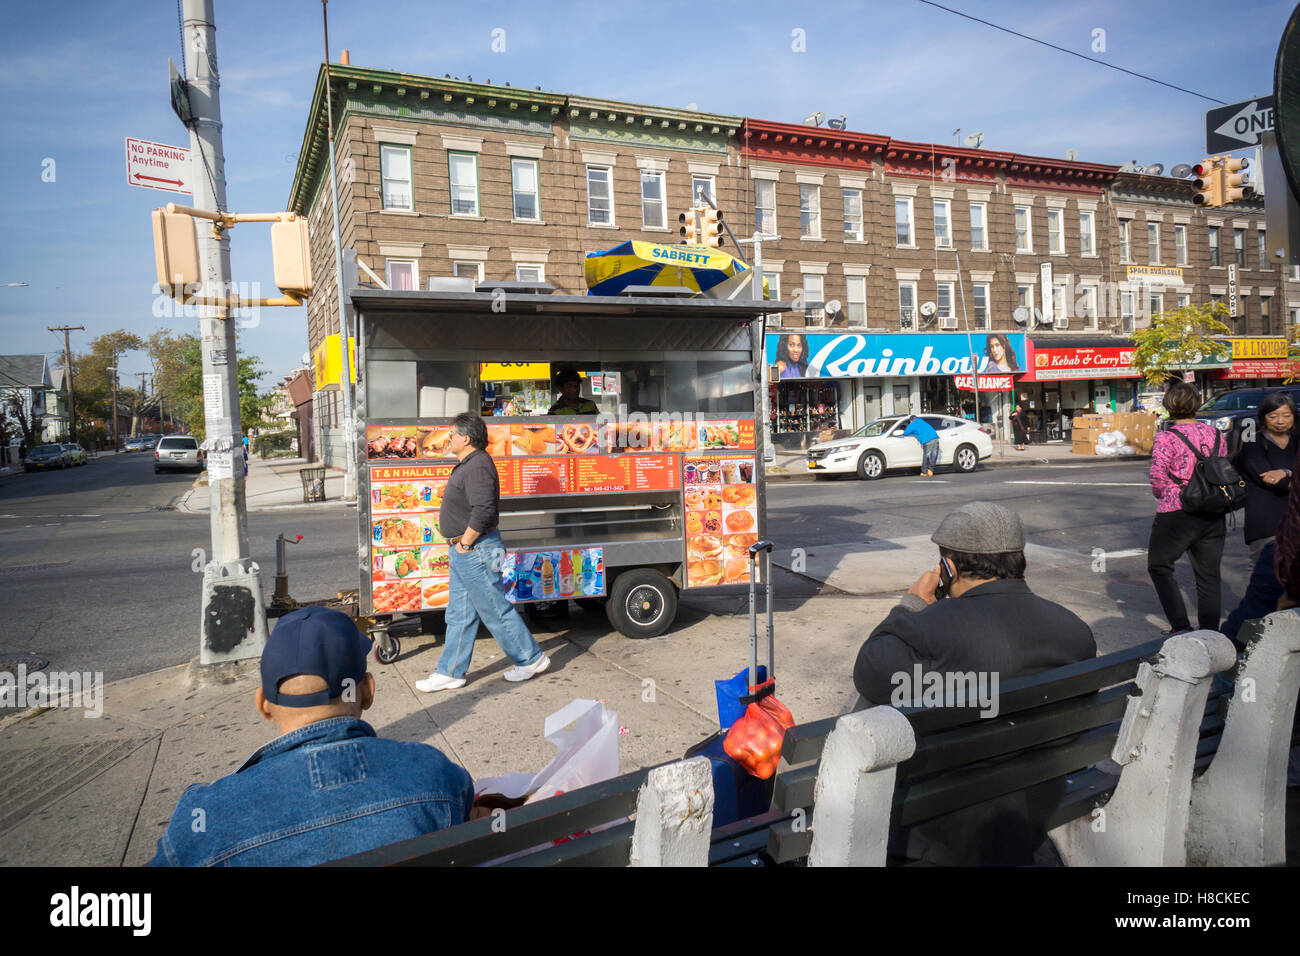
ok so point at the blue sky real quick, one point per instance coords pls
(76, 78)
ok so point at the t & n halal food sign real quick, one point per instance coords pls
(799, 355)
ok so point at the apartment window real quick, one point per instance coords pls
(400, 274)
(813, 293)
(1157, 304)
(1123, 240)
(530, 272)
(979, 237)
(1216, 300)
(395, 170)
(600, 196)
(1088, 307)
(943, 301)
(853, 214)
(1239, 247)
(980, 304)
(1086, 245)
(857, 299)
(773, 285)
(903, 221)
(1184, 299)
(471, 270)
(1295, 273)
(523, 184)
(1263, 251)
(704, 183)
(1294, 316)
(464, 183)
(1214, 245)
(1126, 311)
(943, 223)
(1153, 243)
(765, 206)
(1024, 237)
(1025, 300)
(810, 211)
(653, 212)
(907, 305)
(1266, 313)
(1180, 245)
(1055, 235)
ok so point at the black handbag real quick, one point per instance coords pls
(1214, 486)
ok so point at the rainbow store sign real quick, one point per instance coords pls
(893, 354)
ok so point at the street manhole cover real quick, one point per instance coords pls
(9, 663)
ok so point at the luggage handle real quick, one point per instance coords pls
(755, 549)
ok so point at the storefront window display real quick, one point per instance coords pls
(805, 407)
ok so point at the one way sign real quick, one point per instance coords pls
(1238, 126)
(156, 166)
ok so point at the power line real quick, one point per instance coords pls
(1090, 59)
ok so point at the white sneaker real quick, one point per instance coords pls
(518, 673)
(436, 681)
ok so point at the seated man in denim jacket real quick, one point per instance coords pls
(327, 787)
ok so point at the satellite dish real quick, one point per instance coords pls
(306, 358)
(833, 306)
(841, 123)
(1071, 154)
(1131, 167)
(1181, 171)
(974, 139)
(928, 309)
(814, 119)
(1021, 315)
(1156, 169)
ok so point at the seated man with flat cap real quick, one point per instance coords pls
(991, 626)
(327, 787)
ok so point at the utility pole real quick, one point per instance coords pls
(67, 375)
(113, 413)
(345, 363)
(233, 621)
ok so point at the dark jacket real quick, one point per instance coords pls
(1265, 504)
(472, 496)
(1000, 628)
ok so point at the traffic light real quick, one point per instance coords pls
(1233, 183)
(1209, 181)
(687, 230)
(712, 228)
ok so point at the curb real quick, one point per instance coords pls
(990, 464)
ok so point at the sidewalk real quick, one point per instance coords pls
(273, 483)
(791, 465)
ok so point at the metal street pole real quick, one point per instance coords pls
(233, 621)
(345, 362)
(116, 443)
(67, 376)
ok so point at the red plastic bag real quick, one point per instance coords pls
(754, 741)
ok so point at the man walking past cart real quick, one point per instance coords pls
(920, 429)
(468, 520)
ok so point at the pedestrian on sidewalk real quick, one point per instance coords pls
(1266, 465)
(328, 786)
(1018, 427)
(468, 520)
(1175, 532)
(921, 430)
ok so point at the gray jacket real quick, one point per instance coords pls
(472, 496)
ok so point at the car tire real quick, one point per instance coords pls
(966, 458)
(642, 603)
(871, 466)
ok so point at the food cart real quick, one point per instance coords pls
(660, 492)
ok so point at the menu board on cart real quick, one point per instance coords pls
(721, 518)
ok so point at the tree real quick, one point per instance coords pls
(1179, 339)
(93, 380)
(188, 396)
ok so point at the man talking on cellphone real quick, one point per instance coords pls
(993, 626)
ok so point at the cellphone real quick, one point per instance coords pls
(945, 580)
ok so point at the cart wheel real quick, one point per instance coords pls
(594, 605)
(393, 645)
(642, 603)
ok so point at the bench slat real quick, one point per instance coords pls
(784, 845)
(794, 787)
(610, 847)
(1088, 789)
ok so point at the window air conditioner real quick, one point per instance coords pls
(947, 321)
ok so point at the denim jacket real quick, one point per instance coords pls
(318, 793)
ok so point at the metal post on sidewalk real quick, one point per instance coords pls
(233, 616)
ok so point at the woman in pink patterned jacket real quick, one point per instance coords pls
(1175, 532)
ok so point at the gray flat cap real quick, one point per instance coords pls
(981, 527)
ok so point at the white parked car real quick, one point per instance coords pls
(879, 446)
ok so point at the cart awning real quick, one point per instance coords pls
(705, 269)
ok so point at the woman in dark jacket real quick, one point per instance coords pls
(1018, 427)
(1266, 464)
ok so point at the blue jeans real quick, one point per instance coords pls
(479, 594)
(929, 455)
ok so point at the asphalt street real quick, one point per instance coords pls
(99, 573)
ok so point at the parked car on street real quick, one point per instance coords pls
(150, 442)
(134, 444)
(43, 457)
(1231, 411)
(879, 446)
(178, 453)
(76, 451)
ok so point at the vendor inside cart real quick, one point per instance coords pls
(568, 383)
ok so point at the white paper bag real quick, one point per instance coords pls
(587, 753)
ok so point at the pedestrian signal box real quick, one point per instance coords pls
(175, 251)
(291, 254)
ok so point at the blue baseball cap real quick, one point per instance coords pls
(320, 641)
